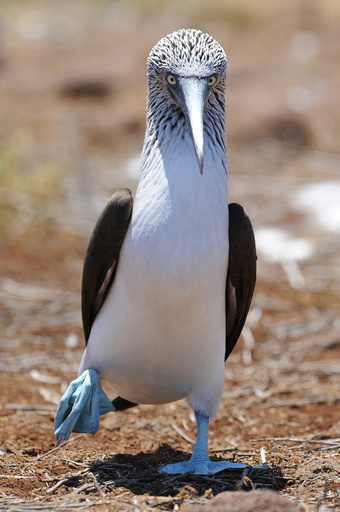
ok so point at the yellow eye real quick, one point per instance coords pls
(171, 80)
(212, 80)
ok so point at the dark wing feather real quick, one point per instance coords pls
(102, 255)
(101, 262)
(241, 275)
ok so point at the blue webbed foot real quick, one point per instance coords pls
(199, 463)
(200, 467)
(80, 406)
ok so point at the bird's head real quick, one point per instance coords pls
(187, 70)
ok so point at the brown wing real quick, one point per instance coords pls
(241, 275)
(102, 255)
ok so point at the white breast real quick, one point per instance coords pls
(160, 336)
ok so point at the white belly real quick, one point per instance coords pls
(160, 335)
(156, 352)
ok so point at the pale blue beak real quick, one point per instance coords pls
(191, 95)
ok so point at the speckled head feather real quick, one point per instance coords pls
(187, 52)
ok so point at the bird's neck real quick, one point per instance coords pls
(168, 139)
(171, 185)
(180, 213)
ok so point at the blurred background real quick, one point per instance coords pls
(72, 119)
(73, 89)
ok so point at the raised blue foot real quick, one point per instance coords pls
(199, 463)
(80, 406)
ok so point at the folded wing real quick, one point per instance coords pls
(241, 275)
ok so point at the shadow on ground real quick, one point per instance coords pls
(139, 473)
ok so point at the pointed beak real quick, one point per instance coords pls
(191, 95)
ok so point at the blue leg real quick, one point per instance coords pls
(199, 462)
(80, 406)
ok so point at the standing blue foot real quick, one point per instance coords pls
(199, 462)
(80, 406)
(200, 466)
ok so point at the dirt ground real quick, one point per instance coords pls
(72, 92)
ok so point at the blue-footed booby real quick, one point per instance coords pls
(168, 279)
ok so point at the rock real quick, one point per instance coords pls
(240, 501)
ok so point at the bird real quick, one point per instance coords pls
(168, 276)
